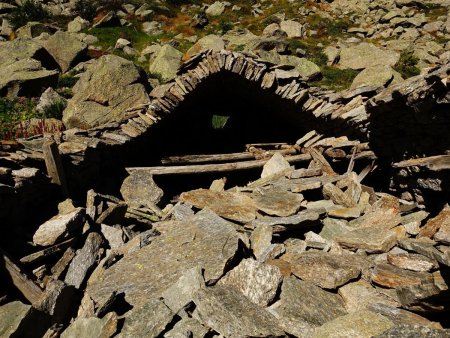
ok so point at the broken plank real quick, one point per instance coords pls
(215, 168)
(248, 155)
(434, 163)
(30, 290)
(54, 165)
(47, 252)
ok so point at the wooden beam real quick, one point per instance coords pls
(54, 165)
(30, 290)
(435, 163)
(225, 157)
(215, 168)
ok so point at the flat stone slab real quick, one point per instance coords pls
(150, 320)
(204, 240)
(277, 202)
(363, 324)
(92, 327)
(414, 262)
(227, 312)
(59, 227)
(324, 269)
(391, 276)
(369, 239)
(259, 282)
(304, 301)
(234, 206)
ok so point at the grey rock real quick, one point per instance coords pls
(304, 301)
(59, 227)
(150, 320)
(277, 202)
(113, 235)
(324, 269)
(376, 76)
(413, 331)
(292, 28)
(182, 292)
(283, 223)
(366, 55)
(204, 240)
(49, 99)
(77, 25)
(84, 260)
(257, 281)
(21, 320)
(261, 240)
(188, 327)
(306, 68)
(32, 30)
(364, 324)
(92, 327)
(139, 189)
(276, 164)
(166, 62)
(109, 87)
(228, 313)
(211, 42)
(216, 9)
(66, 49)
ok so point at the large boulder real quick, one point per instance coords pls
(166, 63)
(376, 76)
(211, 41)
(26, 68)
(25, 77)
(109, 87)
(307, 69)
(67, 49)
(366, 55)
(216, 9)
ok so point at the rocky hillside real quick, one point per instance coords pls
(208, 168)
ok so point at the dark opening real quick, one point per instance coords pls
(222, 115)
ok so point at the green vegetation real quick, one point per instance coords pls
(219, 121)
(433, 11)
(15, 111)
(86, 9)
(313, 51)
(335, 78)
(407, 65)
(31, 10)
(226, 26)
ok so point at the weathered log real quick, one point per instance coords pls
(434, 163)
(215, 168)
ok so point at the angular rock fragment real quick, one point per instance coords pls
(275, 165)
(280, 223)
(259, 282)
(324, 269)
(204, 240)
(228, 313)
(188, 327)
(21, 320)
(277, 202)
(413, 331)
(364, 324)
(390, 276)
(234, 206)
(261, 240)
(59, 227)
(84, 260)
(150, 320)
(434, 224)
(337, 196)
(139, 189)
(412, 262)
(422, 297)
(181, 293)
(304, 301)
(92, 327)
(369, 239)
(361, 295)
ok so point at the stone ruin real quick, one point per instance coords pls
(394, 138)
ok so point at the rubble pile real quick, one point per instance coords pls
(306, 250)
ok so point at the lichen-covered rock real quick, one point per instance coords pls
(166, 62)
(139, 189)
(92, 327)
(109, 87)
(366, 55)
(66, 48)
(376, 76)
(212, 42)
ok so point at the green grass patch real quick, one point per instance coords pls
(219, 121)
(313, 52)
(407, 65)
(335, 78)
